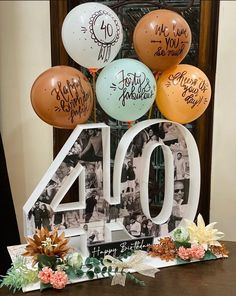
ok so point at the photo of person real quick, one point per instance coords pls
(55, 183)
(180, 166)
(131, 177)
(124, 212)
(93, 237)
(177, 210)
(138, 143)
(39, 216)
(171, 133)
(49, 192)
(91, 176)
(113, 213)
(144, 228)
(124, 179)
(58, 220)
(91, 205)
(46, 217)
(72, 219)
(153, 229)
(94, 232)
(156, 133)
(134, 227)
(93, 150)
(99, 173)
(64, 170)
(76, 148)
(36, 212)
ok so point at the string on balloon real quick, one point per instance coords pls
(157, 75)
(93, 72)
(130, 124)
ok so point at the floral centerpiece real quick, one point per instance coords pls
(193, 242)
(53, 264)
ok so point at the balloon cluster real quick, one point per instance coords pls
(126, 89)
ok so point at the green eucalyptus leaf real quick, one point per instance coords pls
(97, 269)
(88, 260)
(182, 244)
(95, 261)
(142, 283)
(44, 286)
(90, 274)
(45, 260)
(209, 255)
(89, 266)
(80, 273)
(72, 274)
(181, 261)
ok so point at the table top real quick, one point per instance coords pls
(208, 278)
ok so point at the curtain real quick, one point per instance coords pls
(9, 235)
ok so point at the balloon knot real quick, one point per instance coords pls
(157, 74)
(93, 71)
(130, 123)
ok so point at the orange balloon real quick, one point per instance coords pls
(183, 93)
(62, 96)
(162, 39)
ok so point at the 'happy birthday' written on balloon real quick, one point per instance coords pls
(134, 86)
(72, 98)
(190, 87)
(175, 44)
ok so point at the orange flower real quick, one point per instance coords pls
(46, 243)
(165, 249)
(220, 250)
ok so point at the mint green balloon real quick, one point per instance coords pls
(126, 89)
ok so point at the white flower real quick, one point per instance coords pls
(75, 260)
(203, 235)
(181, 234)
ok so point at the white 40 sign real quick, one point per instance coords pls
(121, 211)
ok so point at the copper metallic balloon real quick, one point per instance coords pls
(162, 39)
(62, 97)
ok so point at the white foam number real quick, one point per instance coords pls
(79, 172)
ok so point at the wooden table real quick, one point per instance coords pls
(209, 278)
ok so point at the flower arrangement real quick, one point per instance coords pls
(195, 242)
(54, 265)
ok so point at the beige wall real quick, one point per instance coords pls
(25, 53)
(223, 191)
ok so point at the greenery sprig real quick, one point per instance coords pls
(95, 269)
(19, 275)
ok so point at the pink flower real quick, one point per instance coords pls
(184, 253)
(45, 275)
(59, 280)
(197, 251)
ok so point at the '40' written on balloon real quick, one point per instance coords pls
(92, 35)
(105, 213)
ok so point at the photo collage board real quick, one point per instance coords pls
(95, 212)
